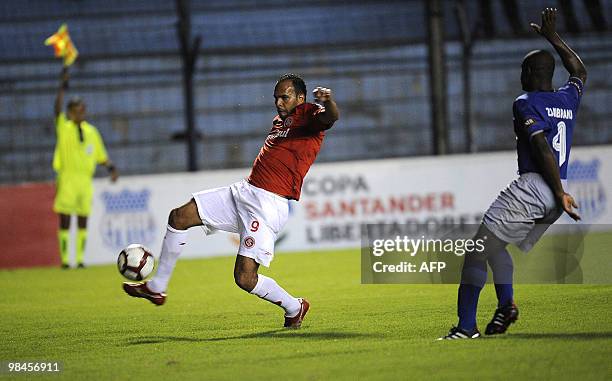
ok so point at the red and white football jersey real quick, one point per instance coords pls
(289, 150)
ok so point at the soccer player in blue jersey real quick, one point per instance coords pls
(544, 120)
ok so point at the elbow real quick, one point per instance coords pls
(335, 115)
(581, 73)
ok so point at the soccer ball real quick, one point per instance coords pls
(135, 262)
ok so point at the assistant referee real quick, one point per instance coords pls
(79, 148)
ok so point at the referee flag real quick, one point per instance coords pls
(63, 46)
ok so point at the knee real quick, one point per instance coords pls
(245, 280)
(175, 219)
(182, 218)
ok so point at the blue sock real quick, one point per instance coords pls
(505, 294)
(473, 279)
(467, 303)
(502, 268)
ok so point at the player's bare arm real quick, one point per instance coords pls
(550, 171)
(59, 98)
(324, 96)
(572, 63)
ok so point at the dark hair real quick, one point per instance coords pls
(541, 63)
(75, 101)
(296, 80)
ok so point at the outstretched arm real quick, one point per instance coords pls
(549, 169)
(59, 98)
(572, 63)
(331, 114)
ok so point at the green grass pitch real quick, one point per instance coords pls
(209, 329)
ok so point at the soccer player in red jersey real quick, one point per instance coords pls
(257, 207)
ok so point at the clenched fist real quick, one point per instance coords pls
(322, 94)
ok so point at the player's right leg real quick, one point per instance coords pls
(179, 220)
(262, 215)
(473, 279)
(247, 278)
(506, 312)
(65, 204)
(520, 215)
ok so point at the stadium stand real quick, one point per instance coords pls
(129, 73)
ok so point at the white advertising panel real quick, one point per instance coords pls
(336, 199)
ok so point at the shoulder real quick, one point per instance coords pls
(309, 108)
(524, 101)
(522, 98)
(60, 118)
(91, 128)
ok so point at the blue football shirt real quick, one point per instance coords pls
(552, 113)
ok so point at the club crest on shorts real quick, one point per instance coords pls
(249, 242)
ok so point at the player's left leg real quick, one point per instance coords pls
(214, 209)
(81, 240)
(83, 191)
(179, 220)
(63, 237)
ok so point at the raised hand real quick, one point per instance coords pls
(549, 21)
(322, 94)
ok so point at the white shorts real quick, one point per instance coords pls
(254, 213)
(523, 211)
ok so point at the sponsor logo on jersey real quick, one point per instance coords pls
(278, 134)
(127, 219)
(529, 122)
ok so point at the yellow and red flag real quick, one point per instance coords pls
(63, 46)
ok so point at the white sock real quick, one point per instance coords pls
(267, 288)
(174, 242)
